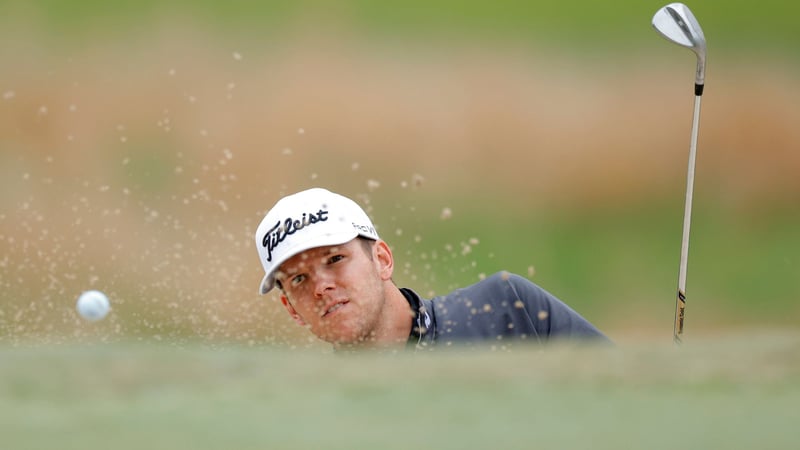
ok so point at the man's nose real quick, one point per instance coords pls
(323, 282)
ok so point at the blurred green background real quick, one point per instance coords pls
(142, 142)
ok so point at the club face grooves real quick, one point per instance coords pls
(681, 24)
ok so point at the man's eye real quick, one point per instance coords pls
(335, 258)
(297, 279)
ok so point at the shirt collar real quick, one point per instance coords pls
(422, 324)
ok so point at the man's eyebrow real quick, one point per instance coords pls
(281, 274)
(333, 249)
(290, 272)
(323, 252)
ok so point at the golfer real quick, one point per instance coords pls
(334, 273)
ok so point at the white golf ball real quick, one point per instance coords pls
(93, 305)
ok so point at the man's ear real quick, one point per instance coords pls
(292, 311)
(385, 259)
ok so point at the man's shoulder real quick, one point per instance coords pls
(498, 287)
(489, 309)
(506, 305)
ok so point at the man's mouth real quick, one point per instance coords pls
(333, 308)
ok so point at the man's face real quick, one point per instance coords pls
(338, 291)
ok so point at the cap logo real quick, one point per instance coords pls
(364, 229)
(289, 226)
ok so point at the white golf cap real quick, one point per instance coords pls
(305, 220)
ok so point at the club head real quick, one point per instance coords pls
(677, 23)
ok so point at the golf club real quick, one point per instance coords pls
(677, 23)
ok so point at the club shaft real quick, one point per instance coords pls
(680, 303)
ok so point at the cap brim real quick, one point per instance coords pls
(266, 285)
(268, 282)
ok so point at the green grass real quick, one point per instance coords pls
(734, 25)
(728, 392)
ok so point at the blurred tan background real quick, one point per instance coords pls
(139, 151)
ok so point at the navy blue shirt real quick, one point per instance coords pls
(500, 309)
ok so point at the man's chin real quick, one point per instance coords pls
(348, 340)
(342, 338)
